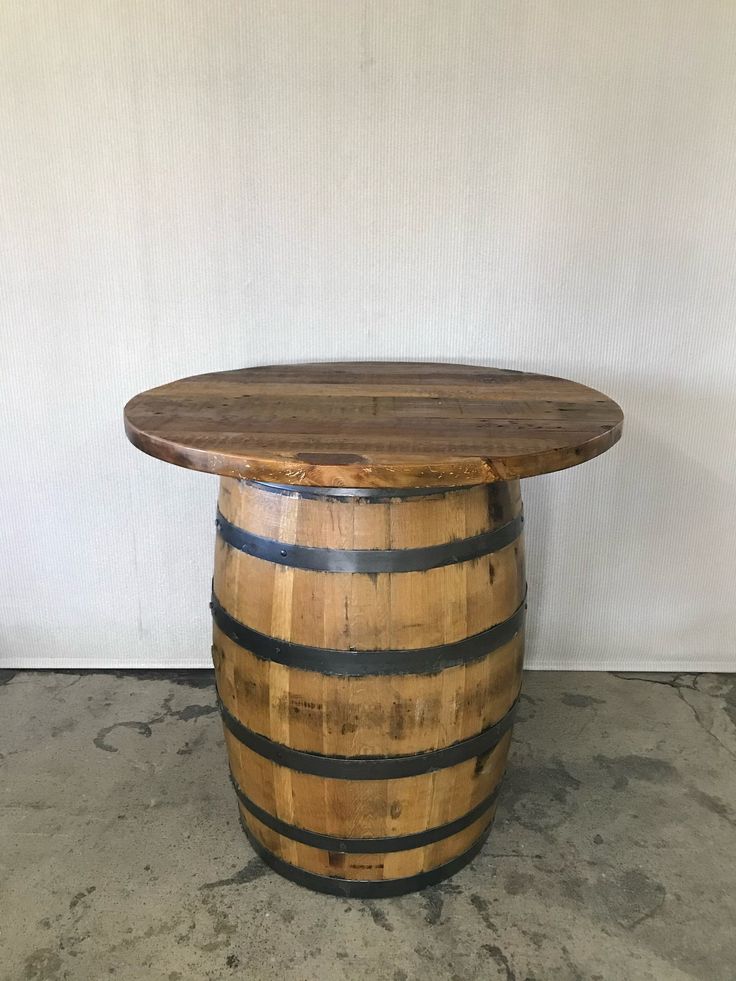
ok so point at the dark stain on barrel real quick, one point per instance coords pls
(297, 705)
(499, 505)
(395, 809)
(397, 720)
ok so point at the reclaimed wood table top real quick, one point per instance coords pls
(373, 424)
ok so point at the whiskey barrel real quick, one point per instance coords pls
(368, 642)
(368, 652)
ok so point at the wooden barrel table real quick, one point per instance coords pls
(369, 597)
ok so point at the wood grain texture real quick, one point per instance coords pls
(371, 866)
(378, 714)
(374, 424)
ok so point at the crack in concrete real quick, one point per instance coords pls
(673, 682)
(74, 681)
(703, 726)
(514, 855)
(678, 686)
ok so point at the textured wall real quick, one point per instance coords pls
(189, 186)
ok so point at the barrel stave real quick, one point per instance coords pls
(457, 625)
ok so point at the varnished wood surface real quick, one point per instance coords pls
(370, 867)
(366, 808)
(374, 424)
(343, 611)
(378, 714)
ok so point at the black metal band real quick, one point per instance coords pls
(365, 888)
(369, 494)
(325, 660)
(368, 560)
(364, 846)
(368, 767)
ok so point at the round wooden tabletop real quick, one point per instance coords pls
(373, 424)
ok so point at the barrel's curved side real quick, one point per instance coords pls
(368, 690)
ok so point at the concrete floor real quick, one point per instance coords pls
(613, 855)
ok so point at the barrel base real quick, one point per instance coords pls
(362, 888)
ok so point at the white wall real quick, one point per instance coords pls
(189, 186)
